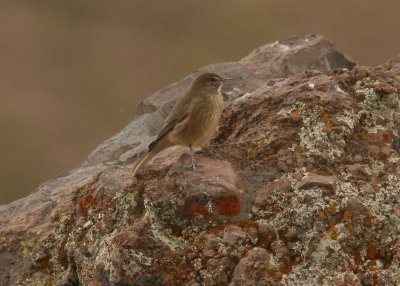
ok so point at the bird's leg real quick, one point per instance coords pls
(213, 153)
(193, 158)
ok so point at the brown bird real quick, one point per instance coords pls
(192, 121)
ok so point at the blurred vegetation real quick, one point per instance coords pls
(72, 72)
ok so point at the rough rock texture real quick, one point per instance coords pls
(308, 192)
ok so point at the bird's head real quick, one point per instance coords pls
(210, 81)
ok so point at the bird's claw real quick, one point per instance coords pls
(213, 153)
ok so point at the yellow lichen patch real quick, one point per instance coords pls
(133, 195)
(251, 151)
(26, 247)
(265, 140)
(3, 240)
(370, 137)
(326, 117)
(56, 215)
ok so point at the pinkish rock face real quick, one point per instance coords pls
(307, 192)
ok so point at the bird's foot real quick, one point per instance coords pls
(193, 165)
(213, 153)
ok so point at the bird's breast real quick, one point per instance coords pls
(204, 115)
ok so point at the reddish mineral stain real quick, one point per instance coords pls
(229, 206)
(197, 208)
(385, 137)
(85, 201)
(371, 251)
(285, 266)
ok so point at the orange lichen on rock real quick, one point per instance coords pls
(85, 201)
(347, 215)
(333, 232)
(332, 208)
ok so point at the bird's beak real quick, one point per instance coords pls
(229, 78)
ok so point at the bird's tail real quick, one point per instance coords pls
(155, 148)
(142, 161)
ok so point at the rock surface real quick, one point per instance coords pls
(308, 192)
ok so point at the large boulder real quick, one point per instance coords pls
(308, 192)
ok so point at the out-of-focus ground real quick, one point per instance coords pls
(72, 72)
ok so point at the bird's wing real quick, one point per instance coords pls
(177, 115)
(170, 124)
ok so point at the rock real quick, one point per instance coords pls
(307, 193)
(234, 235)
(279, 60)
(294, 56)
(314, 180)
(134, 138)
(254, 269)
(267, 234)
(356, 207)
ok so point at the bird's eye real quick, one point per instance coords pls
(214, 79)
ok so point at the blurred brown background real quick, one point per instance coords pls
(72, 72)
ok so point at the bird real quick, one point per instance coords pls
(193, 120)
